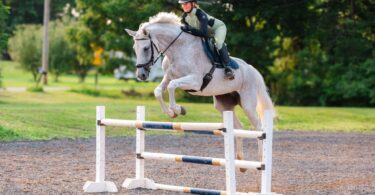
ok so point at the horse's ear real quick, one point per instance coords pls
(131, 32)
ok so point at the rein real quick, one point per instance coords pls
(151, 62)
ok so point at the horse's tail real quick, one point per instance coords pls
(264, 101)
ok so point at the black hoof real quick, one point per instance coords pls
(183, 111)
(174, 115)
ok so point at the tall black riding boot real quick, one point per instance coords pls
(225, 59)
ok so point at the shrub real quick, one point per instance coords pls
(25, 48)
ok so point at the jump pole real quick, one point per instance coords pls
(141, 182)
(226, 129)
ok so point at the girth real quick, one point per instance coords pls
(208, 77)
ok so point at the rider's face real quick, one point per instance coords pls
(187, 6)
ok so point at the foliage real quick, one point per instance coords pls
(6, 134)
(25, 48)
(311, 52)
(1, 83)
(61, 55)
(37, 89)
(3, 17)
(105, 22)
(31, 12)
(79, 38)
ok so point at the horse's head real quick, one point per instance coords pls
(144, 45)
(144, 49)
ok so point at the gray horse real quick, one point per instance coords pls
(185, 64)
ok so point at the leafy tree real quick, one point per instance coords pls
(106, 20)
(25, 48)
(31, 12)
(311, 52)
(3, 16)
(61, 55)
(79, 38)
(346, 32)
(257, 28)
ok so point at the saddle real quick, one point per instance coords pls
(212, 53)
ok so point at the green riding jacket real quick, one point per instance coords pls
(201, 24)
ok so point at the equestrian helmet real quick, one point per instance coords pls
(186, 1)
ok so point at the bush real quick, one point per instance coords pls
(1, 83)
(61, 56)
(25, 48)
(36, 89)
(3, 16)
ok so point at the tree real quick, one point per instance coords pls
(106, 21)
(62, 56)
(346, 32)
(311, 52)
(25, 48)
(31, 12)
(80, 38)
(3, 16)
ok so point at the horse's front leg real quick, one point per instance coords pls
(158, 92)
(190, 82)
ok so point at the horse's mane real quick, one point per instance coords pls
(162, 17)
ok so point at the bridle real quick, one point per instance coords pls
(152, 61)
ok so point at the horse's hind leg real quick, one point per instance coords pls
(248, 104)
(248, 101)
(228, 102)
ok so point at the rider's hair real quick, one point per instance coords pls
(195, 4)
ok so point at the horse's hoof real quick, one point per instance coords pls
(240, 157)
(174, 115)
(183, 111)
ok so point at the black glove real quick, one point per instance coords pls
(186, 28)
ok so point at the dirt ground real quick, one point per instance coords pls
(304, 163)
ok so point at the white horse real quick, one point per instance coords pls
(185, 64)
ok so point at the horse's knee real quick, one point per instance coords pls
(172, 86)
(158, 92)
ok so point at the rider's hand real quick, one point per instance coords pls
(185, 28)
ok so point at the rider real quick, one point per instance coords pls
(198, 23)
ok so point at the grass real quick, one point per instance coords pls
(14, 76)
(33, 115)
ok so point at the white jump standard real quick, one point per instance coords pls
(100, 185)
(225, 129)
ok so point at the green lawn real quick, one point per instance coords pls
(49, 115)
(14, 76)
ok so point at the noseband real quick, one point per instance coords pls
(151, 62)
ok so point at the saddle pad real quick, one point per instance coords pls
(209, 49)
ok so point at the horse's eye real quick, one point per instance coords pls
(145, 49)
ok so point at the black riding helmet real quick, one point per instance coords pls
(186, 1)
